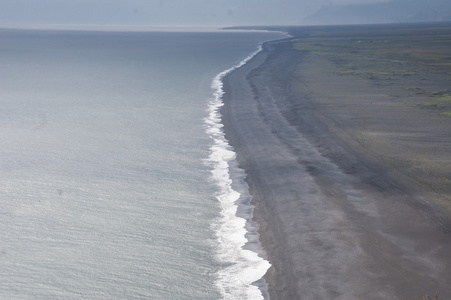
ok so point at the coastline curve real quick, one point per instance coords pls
(241, 268)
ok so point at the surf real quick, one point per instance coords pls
(241, 268)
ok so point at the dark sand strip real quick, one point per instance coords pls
(333, 220)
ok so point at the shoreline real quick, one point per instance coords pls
(242, 257)
(333, 219)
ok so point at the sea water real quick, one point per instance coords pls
(114, 171)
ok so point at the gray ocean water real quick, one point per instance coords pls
(106, 163)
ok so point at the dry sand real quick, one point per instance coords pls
(337, 169)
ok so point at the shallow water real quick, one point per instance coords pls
(105, 164)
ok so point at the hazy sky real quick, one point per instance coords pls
(162, 12)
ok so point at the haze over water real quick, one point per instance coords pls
(105, 182)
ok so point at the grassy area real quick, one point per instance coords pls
(383, 58)
(438, 100)
(389, 56)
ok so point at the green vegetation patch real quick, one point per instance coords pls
(438, 100)
(388, 56)
(365, 58)
(431, 105)
(382, 55)
(445, 98)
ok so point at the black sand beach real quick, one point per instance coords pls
(350, 176)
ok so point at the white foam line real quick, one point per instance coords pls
(240, 267)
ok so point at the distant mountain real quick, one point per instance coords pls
(395, 11)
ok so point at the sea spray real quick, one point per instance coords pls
(240, 267)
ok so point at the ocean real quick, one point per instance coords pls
(114, 171)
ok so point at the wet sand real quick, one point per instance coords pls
(330, 163)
